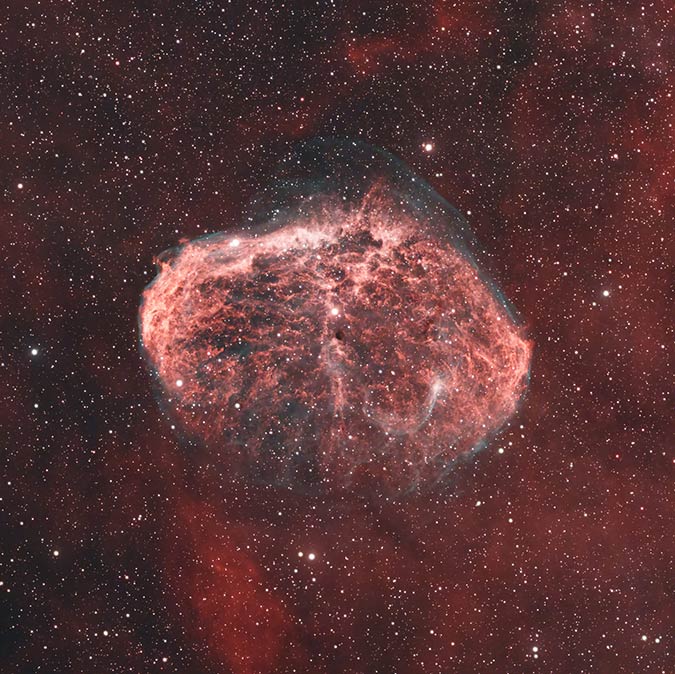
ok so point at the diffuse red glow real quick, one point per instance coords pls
(351, 343)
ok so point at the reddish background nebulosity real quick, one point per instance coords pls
(128, 127)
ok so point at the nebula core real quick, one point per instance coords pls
(348, 342)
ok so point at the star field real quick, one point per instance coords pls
(128, 128)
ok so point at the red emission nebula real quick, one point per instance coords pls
(349, 344)
(337, 427)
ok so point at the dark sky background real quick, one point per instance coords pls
(125, 127)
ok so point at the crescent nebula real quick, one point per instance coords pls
(346, 339)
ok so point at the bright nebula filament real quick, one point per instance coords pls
(349, 339)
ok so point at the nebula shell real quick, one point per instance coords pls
(344, 338)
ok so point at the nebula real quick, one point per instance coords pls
(344, 337)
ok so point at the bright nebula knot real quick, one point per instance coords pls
(346, 338)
